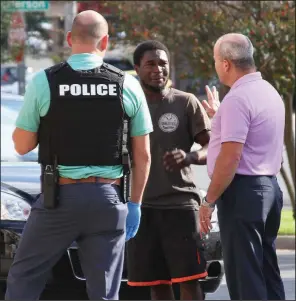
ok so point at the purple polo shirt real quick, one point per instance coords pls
(252, 113)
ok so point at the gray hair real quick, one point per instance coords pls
(238, 49)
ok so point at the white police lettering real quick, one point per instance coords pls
(112, 90)
(75, 90)
(63, 89)
(102, 89)
(86, 90)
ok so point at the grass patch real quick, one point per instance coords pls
(287, 226)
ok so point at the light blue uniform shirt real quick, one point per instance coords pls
(37, 102)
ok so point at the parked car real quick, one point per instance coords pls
(20, 186)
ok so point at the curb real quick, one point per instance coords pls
(285, 242)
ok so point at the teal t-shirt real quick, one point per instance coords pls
(37, 102)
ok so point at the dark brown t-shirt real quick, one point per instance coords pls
(177, 119)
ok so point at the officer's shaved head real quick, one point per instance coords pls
(236, 48)
(89, 26)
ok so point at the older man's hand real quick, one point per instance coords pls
(205, 215)
(211, 106)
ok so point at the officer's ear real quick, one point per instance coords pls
(103, 44)
(69, 38)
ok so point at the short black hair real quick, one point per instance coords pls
(147, 46)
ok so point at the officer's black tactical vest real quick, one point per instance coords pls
(85, 121)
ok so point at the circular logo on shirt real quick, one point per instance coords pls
(168, 122)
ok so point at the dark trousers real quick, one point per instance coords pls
(90, 213)
(249, 213)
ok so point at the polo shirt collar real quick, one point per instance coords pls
(247, 78)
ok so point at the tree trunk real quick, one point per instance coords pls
(290, 188)
(290, 147)
(289, 135)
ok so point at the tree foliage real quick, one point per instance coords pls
(33, 21)
(190, 29)
(5, 22)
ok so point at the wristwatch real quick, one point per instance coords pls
(205, 203)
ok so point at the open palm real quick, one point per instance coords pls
(212, 104)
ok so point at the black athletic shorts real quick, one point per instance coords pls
(167, 248)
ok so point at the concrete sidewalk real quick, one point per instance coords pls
(285, 242)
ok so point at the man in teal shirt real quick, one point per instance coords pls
(91, 210)
(37, 101)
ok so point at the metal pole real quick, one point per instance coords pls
(22, 66)
(21, 70)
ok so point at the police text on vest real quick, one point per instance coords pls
(85, 90)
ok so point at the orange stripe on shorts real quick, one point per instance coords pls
(149, 283)
(183, 279)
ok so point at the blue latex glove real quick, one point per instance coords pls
(133, 219)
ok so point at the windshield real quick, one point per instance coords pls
(10, 107)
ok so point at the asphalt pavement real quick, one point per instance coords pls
(287, 266)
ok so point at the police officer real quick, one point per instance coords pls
(77, 112)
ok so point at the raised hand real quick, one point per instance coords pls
(211, 106)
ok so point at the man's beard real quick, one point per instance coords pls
(155, 89)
